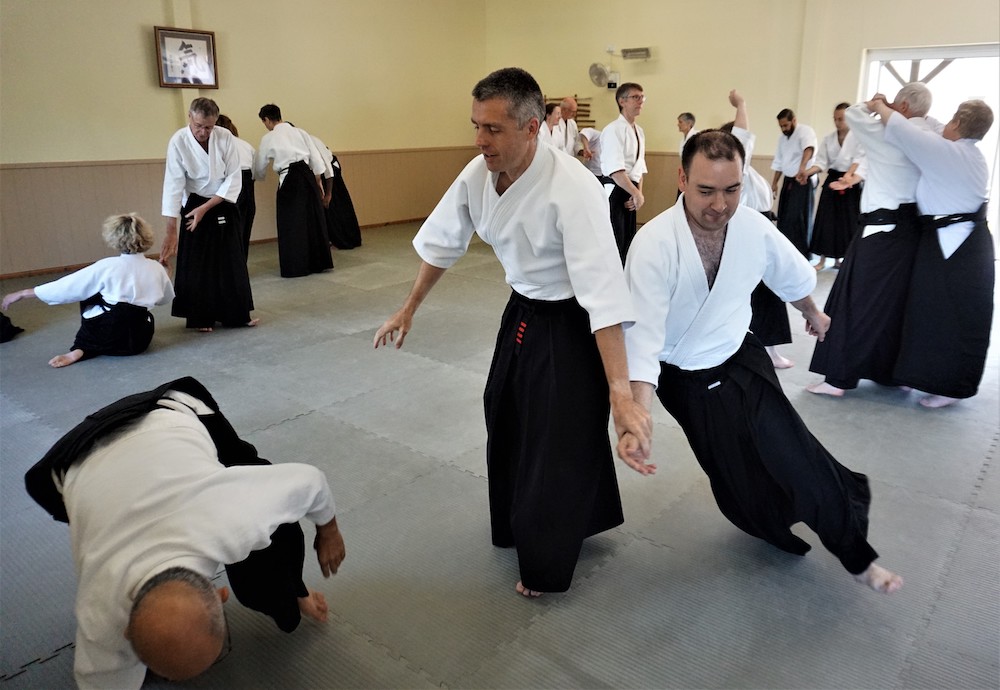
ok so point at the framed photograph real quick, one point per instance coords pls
(186, 58)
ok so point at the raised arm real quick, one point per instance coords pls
(742, 120)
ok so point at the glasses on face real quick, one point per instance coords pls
(641, 97)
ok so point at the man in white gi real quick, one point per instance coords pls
(567, 134)
(303, 246)
(794, 155)
(868, 297)
(690, 344)
(590, 140)
(949, 311)
(623, 161)
(685, 125)
(559, 364)
(839, 155)
(202, 181)
(158, 491)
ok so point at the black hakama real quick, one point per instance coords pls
(303, 247)
(946, 326)
(341, 220)
(552, 479)
(867, 301)
(268, 580)
(247, 206)
(767, 471)
(770, 317)
(836, 218)
(211, 283)
(123, 329)
(795, 212)
(623, 220)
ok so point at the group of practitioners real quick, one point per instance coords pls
(209, 206)
(581, 339)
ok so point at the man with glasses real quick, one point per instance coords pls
(158, 491)
(623, 162)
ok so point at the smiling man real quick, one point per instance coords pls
(691, 272)
(559, 365)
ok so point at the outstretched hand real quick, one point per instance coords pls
(329, 545)
(401, 321)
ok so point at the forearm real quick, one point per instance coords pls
(807, 154)
(807, 307)
(17, 296)
(622, 180)
(611, 345)
(775, 179)
(211, 203)
(427, 278)
(642, 393)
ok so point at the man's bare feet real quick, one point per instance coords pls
(778, 360)
(71, 357)
(206, 330)
(314, 606)
(521, 589)
(880, 579)
(824, 388)
(933, 401)
(252, 322)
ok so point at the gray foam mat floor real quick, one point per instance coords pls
(674, 598)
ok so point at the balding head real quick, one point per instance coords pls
(569, 107)
(176, 626)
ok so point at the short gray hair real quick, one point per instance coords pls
(917, 96)
(518, 88)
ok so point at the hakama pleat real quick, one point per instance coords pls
(767, 471)
(866, 306)
(552, 480)
(623, 220)
(303, 247)
(341, 220)
(795, 212)
(946, 327)
(211, 283)
(246, 204)
(770, 317)
(122, 330)
(836, 218)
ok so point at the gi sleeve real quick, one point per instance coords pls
(650, 274)
(75, 287)
(174, 180)
(444, 237)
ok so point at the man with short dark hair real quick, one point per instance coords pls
(792, 158)
(158, 491)
(559, 365)
(201, 183)
(303, 245)
(691, 345)
(623, 162)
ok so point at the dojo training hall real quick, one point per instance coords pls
(676, 597)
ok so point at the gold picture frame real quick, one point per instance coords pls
(186, 58)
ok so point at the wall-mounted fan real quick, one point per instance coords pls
(599, 74)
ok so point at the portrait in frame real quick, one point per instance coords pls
(186, 58)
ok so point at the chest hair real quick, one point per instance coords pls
(710, 247)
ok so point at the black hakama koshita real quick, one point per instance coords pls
(246, 203)
(836, 218)
(551, 474)
(268, 580)
(211, 283)
(867, 301)
(123, 329)
(341, 220)
(946, 326)
(303, 247)
(770, 317)
(623, 220)
(767, 471)
(795, 212)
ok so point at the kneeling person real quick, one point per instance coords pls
(115, 294)
(690, 343)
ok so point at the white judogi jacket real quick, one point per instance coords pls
(953, 176)
(246, 153)
(623, 148)
(832, 155)
(756, 191)
(152, 497)
(130, 278)
(566, 137)
(551, 231)
(285, 145)
(192, 170)
(678, 319)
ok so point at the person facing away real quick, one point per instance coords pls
(202, 181)
(691, 272)
(115, 294)
(246, 203)
(158, 491)
(623, 161)
(559, 364)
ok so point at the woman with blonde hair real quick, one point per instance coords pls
(115, 294)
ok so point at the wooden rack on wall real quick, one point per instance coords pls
(583, 118)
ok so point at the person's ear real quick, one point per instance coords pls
(681, 180)
(223, 594)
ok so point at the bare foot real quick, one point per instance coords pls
(314, 606)
(252, 322)
(838, 264)
(777, 359)
(824, 388)
(905, 389)
(521, 589)
(71, 357)
(206, 330)
(880, 579)
(932, 401)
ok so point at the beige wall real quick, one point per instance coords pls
(385, 83)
